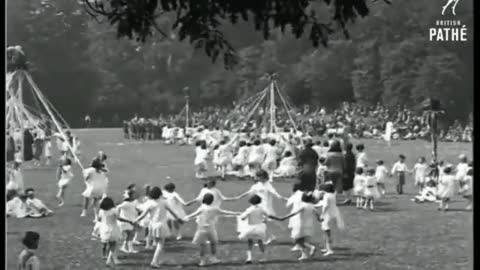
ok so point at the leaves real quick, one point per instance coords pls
(195, 18)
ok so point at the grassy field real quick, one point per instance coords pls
(398, 235)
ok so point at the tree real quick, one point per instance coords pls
(201, 20)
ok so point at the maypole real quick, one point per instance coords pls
(52, 116)
(272, 104)
(187, 106)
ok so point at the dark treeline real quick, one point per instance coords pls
(83, 68)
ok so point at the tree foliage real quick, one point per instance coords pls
(200, 21)
(83, 67)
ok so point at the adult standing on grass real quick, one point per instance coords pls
(349, 173)
(335, 166)
(308, 161)
(96, 186)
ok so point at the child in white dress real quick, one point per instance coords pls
(381, 173)
(447, 186)
(322, 168)
(254, 228)
(267, 193)
(428, 194)
(109, 231)
(256, 158)
(210, 188)
(359, 187)
(15, 178)
(225, 155)
(294, 203)
(200, 162)
(420, 170)
(306, 228)
(216, 157)
(240, 160)
(271, 155)
(462, 168)
(362, 160)
(28, 260)
(467, 188)
(288, 166)
(206, 216)
(48, 151)
(370, 190)
(96, 186)
(330, 215)
(35, 207)
(176, 203)
(158, 208)
(128, 210)
(64, 175)
(145, 222)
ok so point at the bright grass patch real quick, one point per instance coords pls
(398, 235)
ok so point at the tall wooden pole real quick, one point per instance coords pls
(272, 106)
(187, 107)
(433, 125)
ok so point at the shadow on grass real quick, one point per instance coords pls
(386, 209)
(458, 210)
(339, 256)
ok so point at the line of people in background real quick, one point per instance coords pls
(361, 121)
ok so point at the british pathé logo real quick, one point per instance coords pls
(452, 4)
(448, 30)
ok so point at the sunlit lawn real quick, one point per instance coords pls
(398, 235)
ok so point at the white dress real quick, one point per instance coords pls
(462, 169)
(16, 208)
(206, 225)
(287, 168)
(330, 212)
(295, 202)
(66, 176)
(467, 188)
(158, 213)
(48, 149)
(36, 208)
(96, 184)
(270, 162)
(216, 157)
(447, 186)
(306, 228)
(253, 224)
(127, 210)
(108, 227)
(266, 192)
(421, 171)
(256, 155)
(218, 197)
(370, 190)
(142, 206)
(225, 155)
(201, 156)
(241, 159)
(381, 173)
(388, 131)
(15, 181)
(176, 203)
(362, 160)
(359, 185)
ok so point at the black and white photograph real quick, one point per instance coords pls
(239, 134)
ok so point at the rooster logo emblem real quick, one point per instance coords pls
(453, 4)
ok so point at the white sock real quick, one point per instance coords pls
(157, 253)
(249, 255)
